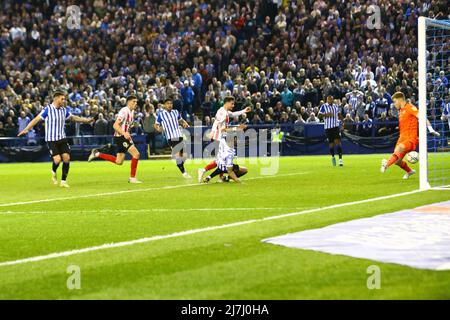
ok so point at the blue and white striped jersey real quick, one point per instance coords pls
(446, 109)
(446, 112)
(225, 156)
(55, 122)
(330, 122)
(354, 101)
(170, 123)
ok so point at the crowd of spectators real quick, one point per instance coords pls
(282, 58)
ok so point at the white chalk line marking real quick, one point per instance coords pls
(194, 231)
(136, 190)
(9, 212)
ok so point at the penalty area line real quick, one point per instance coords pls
(193, 231)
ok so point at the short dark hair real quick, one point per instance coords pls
(131, 97)
(398, 95)
(167, 100)
(228, 99)
(58, 93)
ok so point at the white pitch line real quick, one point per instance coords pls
(146, 210)
(136, 190)
(193, 231)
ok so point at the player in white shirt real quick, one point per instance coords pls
(225, 163)
(219, 127)
(123, 140)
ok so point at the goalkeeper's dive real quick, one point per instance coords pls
(408, 140)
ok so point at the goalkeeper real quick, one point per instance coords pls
(408, 140)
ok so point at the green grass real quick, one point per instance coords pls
(229, 263)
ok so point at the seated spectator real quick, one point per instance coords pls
(10, 127)
(392, 122)
(234, 122)
(382, 127)
(2, 130)
(256, 120)
(244, 119)
(207, 106)
(366, 126)
(348, 123)
(312, 118)
(370, 107)
(287, 97)
(207, 122)
(268, 119)
(23, 121)
(358, 126)
(101, 126)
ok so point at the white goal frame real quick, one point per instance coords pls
(423, 23)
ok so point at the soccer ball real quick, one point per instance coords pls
(412, 157)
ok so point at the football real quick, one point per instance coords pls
(413, 157)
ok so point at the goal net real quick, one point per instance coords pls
(434, 102)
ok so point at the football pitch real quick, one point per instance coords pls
(171, 238)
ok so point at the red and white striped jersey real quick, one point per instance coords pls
(126, 118)
(220, 123)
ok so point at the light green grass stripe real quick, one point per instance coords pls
(194, 231)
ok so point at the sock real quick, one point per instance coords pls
(65, 170)
(339, 150)
(405, 166)
(215, 173)
(211, 165)
(180, 165)
(55, 167)
(134, 163)
(332, 151)
(393, 159)
(107, 157)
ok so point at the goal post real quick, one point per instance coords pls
(433, 59)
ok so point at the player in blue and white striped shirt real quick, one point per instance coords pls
(330, 113)
(225, 162)
(446, 112)
(55, 116)
(169, 121)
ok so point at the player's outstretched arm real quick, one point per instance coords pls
(29, 126)
(81, 119)
(238, 113)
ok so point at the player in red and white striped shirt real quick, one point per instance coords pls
(122, 139)
(220, 125)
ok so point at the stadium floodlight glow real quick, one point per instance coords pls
(433, 56)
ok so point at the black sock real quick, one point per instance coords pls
(339, 150)
(332, 151)
(215, 173)
(180, 165)
(65, 170)
(55, 166)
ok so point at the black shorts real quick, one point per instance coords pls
(174, 142)
(333, 134)
(58, 147)
(122, 144)
(235, 169)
